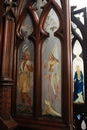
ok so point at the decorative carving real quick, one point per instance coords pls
(10, 3)
(10, 9)
(5, 95)
(7, 58)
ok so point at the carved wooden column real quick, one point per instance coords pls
(6, 81)
(1, 25)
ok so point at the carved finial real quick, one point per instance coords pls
(11, 3)
(73, 8)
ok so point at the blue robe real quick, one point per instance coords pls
(78, 85)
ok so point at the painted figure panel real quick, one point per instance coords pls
(51, 77)
(25, 78)
(78, 75)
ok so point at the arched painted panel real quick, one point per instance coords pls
(25, 78)
(78, 74)
(51, 77)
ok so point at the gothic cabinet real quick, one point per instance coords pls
(35, 85)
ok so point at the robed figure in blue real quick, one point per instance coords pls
(78, 86)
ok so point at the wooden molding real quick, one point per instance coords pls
(8, 124)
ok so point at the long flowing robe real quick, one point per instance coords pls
(51, 101)
(78, 87)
